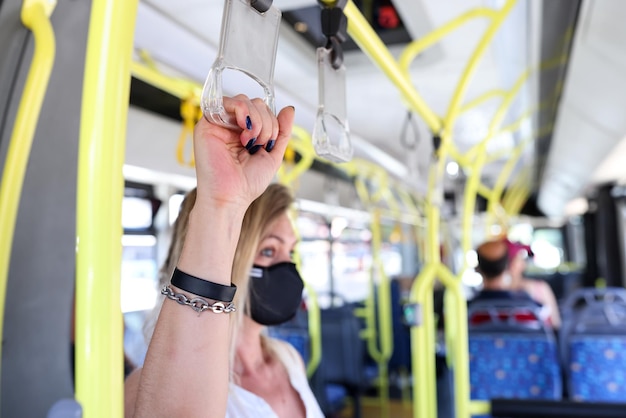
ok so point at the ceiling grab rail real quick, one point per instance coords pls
(414, 48)
(104, 111)
(517, 195)
(493, 196)
(35, 15)
(369, 42)
(495, 209)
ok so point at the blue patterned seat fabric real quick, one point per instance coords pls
(514, 366)
(597, 368)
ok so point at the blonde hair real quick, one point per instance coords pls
(269, 206)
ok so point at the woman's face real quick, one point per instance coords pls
(277, 243)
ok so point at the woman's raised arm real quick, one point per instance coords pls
(186, 370)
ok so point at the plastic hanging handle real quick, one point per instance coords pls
(331, 132)
(248, 44)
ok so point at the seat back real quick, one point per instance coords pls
(574, 306)
(510, 366)
(513, 355)
(296, 332)
(596, 353)
(343, 349)
(505, 315)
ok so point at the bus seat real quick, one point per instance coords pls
(401, 356)
(574, 306)
(296, 332)
(513, 366)
(298, 338)
(343, 353)
(513, 355)
(596, 348)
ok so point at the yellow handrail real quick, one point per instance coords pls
(99, 328)
(175, 86)
(35, 15)
(380, 344)
(493, 200)
(473, 183)
(189, 111)
(365, 37)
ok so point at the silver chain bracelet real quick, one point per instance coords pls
(197, 304)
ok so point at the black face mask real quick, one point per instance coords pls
(275, 293)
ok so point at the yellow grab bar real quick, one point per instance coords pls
(188, 111)
(365, 37)
(315, 330)
(99, 324)
(35, 16)
(176, 87)
(301, 142)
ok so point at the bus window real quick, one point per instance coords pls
(547, 246)
(139, 266)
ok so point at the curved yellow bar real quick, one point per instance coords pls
(365, 37)
(35, 16)
(315, 331)
(182, 89)
(422, 379)
(417, 46)
(493, 201)
(516, 195)
(380, 341)
(188, 111)
(301, 142)
(99, 324)
(492, 94)
(455, 104)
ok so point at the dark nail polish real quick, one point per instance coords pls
(250, 143)
(254, 149)
(248, 122)
(270, 145)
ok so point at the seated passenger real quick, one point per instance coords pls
(538, 290)
(493, 257)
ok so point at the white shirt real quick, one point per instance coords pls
(245, 404)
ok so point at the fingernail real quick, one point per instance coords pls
(254, 149)
(250, 143)
(270, 145)
(293, 107)
(248, 122)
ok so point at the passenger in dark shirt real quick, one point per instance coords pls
(492, 265)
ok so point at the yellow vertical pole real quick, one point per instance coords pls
(35, 16)
(99, 331)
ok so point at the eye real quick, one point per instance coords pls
(267, 252)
